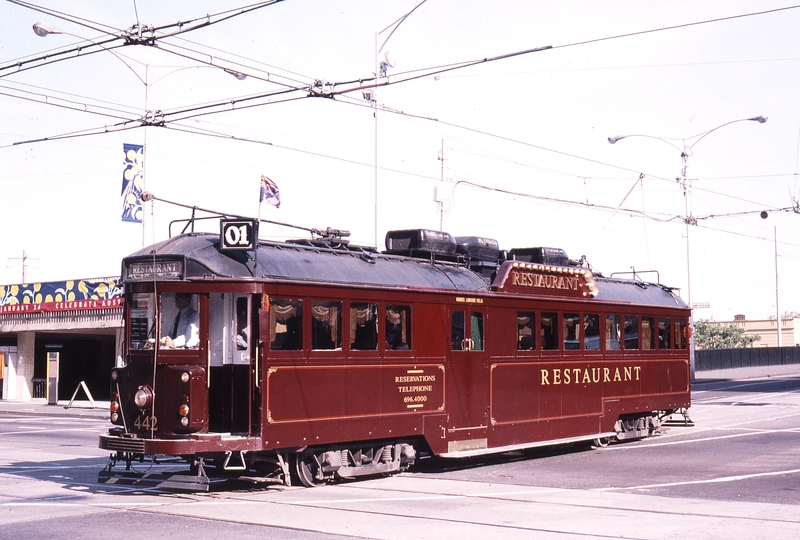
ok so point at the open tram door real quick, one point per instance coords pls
(468, 394)
(234, 392)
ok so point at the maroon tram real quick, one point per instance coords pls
(317, 360)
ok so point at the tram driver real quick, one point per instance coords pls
(184, 332)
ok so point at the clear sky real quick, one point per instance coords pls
(524, 138)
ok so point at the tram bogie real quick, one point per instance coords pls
(301, 364)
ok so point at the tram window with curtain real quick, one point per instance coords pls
(286, 324)
(631, 332)
(648, 333)
(326, 325)
(363, 327)
(572, 331)
(476, 331)
(664, 333)
(526, 338)
(591, 332)
(549, 331)
(612, 333)
(681, 332)
(398, 327)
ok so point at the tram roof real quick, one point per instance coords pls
(287, 261)
(201, 257)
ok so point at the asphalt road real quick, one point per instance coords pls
(734, 474)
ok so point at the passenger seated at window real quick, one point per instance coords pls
(184, 333)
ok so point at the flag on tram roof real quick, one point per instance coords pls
(132, 182)
(270, 192)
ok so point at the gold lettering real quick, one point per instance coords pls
(567, 376)
(617, 376)
(628, 373)
(596, 375)
(545, 377)
(636, 369)
(586, 378)
(577, 374)
(606, 371)
(414, 389)
(556, 376)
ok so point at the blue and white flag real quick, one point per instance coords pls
(132, 183)
(269, 192)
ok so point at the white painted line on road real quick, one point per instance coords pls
(49, 430)
(706, 439)
(709, 481)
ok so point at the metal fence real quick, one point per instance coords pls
(39, 388)
(711, 359)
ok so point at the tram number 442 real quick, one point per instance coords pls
(146, 422)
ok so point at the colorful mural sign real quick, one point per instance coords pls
(84, 294)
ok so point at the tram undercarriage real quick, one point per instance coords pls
(303, 466)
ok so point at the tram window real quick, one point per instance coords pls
(363, 327)
(681, 332)
(286, 324)
(663, 333)
(242, 325)
(398, 327)
(631, 332)
(572, 331)
(526, 339)
(180, 322)
(142, 322)
(548, 325)
(476, 331)
(326, 325)
(591, 332)
(612, 333)
(457, 331)
(648, 333)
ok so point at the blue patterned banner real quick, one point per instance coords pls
(132, 183)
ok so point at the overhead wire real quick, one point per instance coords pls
(331, 91)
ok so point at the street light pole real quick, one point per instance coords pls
(686, 152)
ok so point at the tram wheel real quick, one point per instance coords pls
(307, 469)
(601, 442)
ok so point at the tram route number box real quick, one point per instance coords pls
(238, 234)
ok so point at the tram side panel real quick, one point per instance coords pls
(315, 397)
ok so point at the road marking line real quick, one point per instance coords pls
(709, 481)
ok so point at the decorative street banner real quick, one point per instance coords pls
(132, 183)
(85, 294)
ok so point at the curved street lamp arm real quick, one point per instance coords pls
(612, 140)
(701, 136)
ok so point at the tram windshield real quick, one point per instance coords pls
(180, 321)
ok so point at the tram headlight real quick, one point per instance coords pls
(114, 417)
(183, 410)
(114, 375)
(143, 397)
(185, 376)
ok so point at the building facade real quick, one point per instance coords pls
(56, 335)
(767, 329)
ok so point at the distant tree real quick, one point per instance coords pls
(712, 336)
